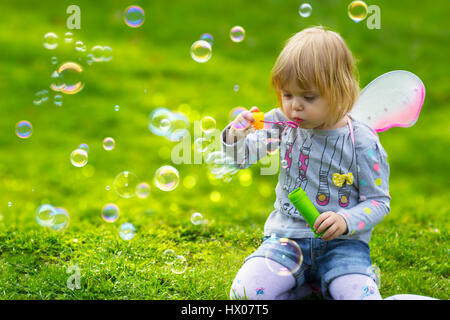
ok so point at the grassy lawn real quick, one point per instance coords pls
(151, 67)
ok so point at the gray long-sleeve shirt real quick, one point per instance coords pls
(351, 179)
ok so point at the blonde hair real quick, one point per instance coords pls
(319, 58)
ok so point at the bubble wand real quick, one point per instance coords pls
(306, 208)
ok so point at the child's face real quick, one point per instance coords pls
(306, 107)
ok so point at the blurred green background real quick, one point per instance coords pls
(151, 67)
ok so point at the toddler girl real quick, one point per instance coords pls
(339, 163)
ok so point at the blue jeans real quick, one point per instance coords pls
(323, 261)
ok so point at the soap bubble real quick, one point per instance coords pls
(290, 253)
(201, 145)
(68, 37)
(70, 73)
(109, 144)
(110, 212)
(134, 16)
(107, 54)
(235, 112)
(84, 147)
(45, 215)
(80, 46)
(125, 184)
(208, 124)
(40, 97)
(50, 41)
(179, 126)
(208, 38)
(54, 60)
(237, 34)
(58, 100)
(60, 219)
(236, 88)
(116, 107)
(305, 10)
(127, 231)
(196, 218)
(143, 190)
(167, 178)
(284, 163)
(160, 121)
(169, 256)
(179, 265)
(100, 54)
(57, 83)
(24, 129)
(79, 158)
(357, 10)
(201, 51)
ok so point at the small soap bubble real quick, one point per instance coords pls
(54, 60)
(110, 212)
(208, 38)
(84, 147)
(305, 10)
(288, 251)
(79, 158)
(236, 88)
(167, 178)
(208, 124)
(50, 40)
(60, 219)
(127, 231)
(116, 107)
(125, 184)
(109, 143)
(169, 256)
(284, 163)
(237, 34)
(235, 112)
(68, 37)
(58, 100)
(160, 121)
(45, 215)
(201, 51)
(179, 265)
(40, 97)
(107, 54)
(57, 83)
(134, 16)
(70, 72)
(179, 126)
(143, 190)
(80, 46)
(24, 129)
(201, 145)
(357, 11)
(196, 218)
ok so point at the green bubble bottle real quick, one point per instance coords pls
(306, 208)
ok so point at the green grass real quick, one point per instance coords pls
(151, 67)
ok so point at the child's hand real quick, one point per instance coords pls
(242, 125)
(333, 223)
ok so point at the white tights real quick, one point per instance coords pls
(257, 281)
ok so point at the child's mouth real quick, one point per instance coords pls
(298, 120)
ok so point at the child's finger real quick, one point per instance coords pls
(248, 116)
(319, 220)
(254, 109)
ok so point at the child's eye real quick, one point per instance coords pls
(287, 95)
(310, 98)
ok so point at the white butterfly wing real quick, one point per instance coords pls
(394, 99)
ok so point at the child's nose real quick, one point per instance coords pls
(297, 104)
